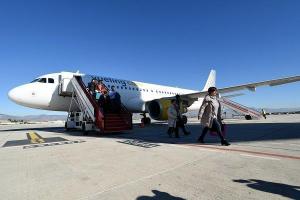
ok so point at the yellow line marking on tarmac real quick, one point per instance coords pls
(35, 138)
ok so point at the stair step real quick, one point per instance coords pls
(117, 129)
(116, 125)
(114, 122)
(113, 118)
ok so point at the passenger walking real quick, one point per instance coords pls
(115, 99)
(210, 115)
(104, 102)
(92, 87)
(180, 122)
(172, 118)
(101, 87)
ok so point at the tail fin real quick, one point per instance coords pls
(211, 80)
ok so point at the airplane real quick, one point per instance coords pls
(55, 92)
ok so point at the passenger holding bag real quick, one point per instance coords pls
(172, 117)
(179, 120)
(210, 115)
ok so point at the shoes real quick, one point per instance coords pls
(225, 143)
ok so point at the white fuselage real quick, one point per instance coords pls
(43, 93)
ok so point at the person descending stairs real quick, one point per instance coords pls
(104, 117)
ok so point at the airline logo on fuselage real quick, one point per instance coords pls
(123, 83)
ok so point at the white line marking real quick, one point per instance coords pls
(263, 157)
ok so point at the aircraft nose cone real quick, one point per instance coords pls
(12, 94)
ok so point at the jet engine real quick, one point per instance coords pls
(158, 109)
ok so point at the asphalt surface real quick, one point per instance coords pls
(43, 161)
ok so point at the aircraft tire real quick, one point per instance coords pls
(248, 117)
(83, 128)
(66, 126)
(146, 120)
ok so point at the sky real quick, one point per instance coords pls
(168, 42)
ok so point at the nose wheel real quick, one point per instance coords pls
(145, 120)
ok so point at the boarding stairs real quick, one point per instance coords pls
(91, 112)
(248, 112)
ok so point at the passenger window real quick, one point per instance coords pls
(42, 80)
(50, 80)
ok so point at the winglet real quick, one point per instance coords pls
(211, 80)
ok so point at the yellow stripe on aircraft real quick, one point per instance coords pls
(35, 138)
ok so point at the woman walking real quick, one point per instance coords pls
(172, 117)
(210, 115)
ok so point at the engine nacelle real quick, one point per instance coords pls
(158, 109)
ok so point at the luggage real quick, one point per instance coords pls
(213, 131)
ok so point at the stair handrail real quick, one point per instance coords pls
(245, 109)
(97, 112)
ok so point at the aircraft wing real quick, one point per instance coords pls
(249, 86)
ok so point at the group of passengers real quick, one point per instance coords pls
(175, 119)
(108, 101)
(209, 115)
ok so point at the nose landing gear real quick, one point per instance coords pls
(145, 120)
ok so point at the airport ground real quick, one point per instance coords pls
(43, 161)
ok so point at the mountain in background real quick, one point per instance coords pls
(38, 118)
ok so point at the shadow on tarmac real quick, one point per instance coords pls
(159, 196)
(289, 191)
(157, 133)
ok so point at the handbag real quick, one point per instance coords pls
(213, 130)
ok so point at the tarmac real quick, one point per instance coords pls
(43, 161)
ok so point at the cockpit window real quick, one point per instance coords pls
(35, 80)
(42, 80)
(50, 80)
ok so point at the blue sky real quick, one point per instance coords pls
(167, 42)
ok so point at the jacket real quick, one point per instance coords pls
(172, 116)
(206, 112)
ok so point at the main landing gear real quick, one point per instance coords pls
(145, 120)
(248, 117)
